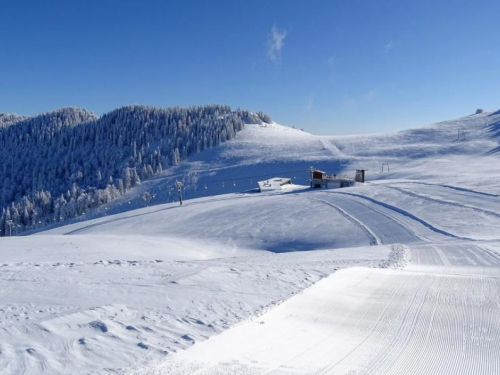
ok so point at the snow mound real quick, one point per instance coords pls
(399, 257)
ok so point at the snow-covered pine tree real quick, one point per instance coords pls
(85, 160)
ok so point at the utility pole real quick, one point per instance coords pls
(9, 223)
(179, 186)
(312, 169)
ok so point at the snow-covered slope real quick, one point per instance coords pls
(134, 287)
(78, 161)
(452, 150)
(409, 265)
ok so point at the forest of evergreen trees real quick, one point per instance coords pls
(7, 119)
(60, 164)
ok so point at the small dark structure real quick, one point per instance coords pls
(360, 175)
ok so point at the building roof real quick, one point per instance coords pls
(275, 183)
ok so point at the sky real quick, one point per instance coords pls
(329, 67)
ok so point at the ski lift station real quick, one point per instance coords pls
(276, 183)
(321, 180)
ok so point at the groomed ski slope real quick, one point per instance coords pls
(362, 321)
(397, 276)
(98, 297)
(437, 315)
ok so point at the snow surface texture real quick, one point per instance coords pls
(398, 275)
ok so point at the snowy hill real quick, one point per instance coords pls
(398, 275)
(260, 152)
(78, 161)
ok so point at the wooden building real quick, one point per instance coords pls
(321, 180)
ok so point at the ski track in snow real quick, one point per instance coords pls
(444, 201)
(409, 215)
(450, 187)
(374, 240)
(465, 215)
(462, 197)
(330, 147)
(389, 227)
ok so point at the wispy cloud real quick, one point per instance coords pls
(370, 95)
(275, 43)
(389, 46)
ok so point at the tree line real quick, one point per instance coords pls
(61, 164)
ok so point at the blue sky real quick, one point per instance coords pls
(330, 67)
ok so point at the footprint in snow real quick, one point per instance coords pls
(99, 325)
(143, 345)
